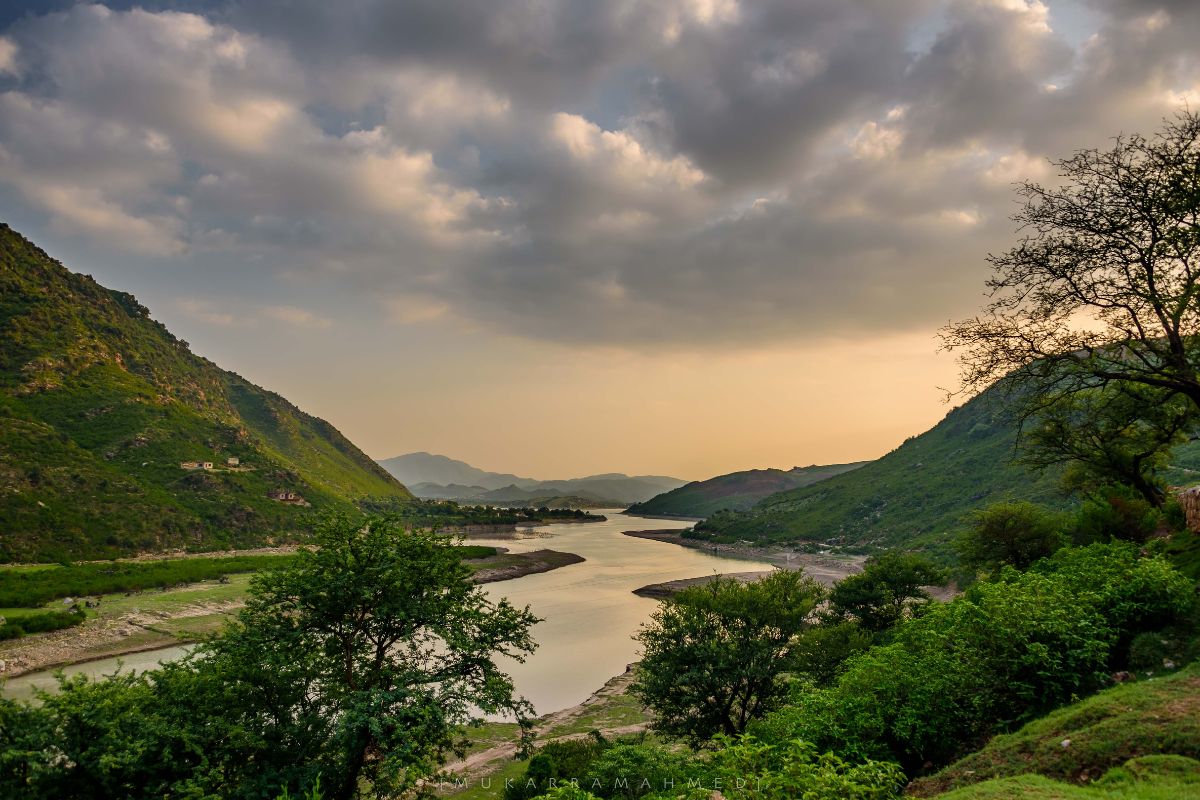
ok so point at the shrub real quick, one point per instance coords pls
(1009, 534)
(1002, 653)
(1117, 513)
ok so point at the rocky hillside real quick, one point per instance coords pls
(736, 491)
(100, 408)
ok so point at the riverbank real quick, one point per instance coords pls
(123, 624)
(826, 569)
(489, 759)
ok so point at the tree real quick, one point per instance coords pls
(368, 652)
(890, 584)
(713, 656)
(1123, 434)
(1103, 287)
(1013, 534)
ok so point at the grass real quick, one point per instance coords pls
(36, 587)
(1146, 717)
(1147, 778)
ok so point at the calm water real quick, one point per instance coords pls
(589, 610)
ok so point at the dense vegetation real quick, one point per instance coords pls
(736, 491)
(353, 665)
(41, 622)
(448, 514)
(30, 588)
(100, 404)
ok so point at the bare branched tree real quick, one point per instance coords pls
(1103, 286)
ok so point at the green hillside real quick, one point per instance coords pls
(100, 404)
(1159, 716)
(917, 495)
(736, 491)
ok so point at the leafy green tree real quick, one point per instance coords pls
(714, 656)
(889, 585)
(1012, 534)
(1122, 434)
(372, 648)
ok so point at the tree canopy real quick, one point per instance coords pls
(713, 656)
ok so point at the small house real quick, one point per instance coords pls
(189, 465)
(232, 461)
(206, 465)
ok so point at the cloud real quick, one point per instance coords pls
(636, 173)
(298, 317)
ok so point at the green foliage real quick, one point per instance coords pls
(557, 762)
(1001, 654)
(889, 586)
(627, 771)
(714, 656)
(822, 651)
(1115, 512)
(753, 769)
(354, 665)
(1123, 434)
(32, 588)
(41, 623)
(737, 491)
(1009, 534)
(99, 404)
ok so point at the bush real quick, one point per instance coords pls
(1002, 653)
(41, 623)
(1009, 534)
(1118, 513)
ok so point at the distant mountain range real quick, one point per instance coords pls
(439, 477)
(736, 491)
(115, 438)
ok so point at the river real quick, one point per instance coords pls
(589, 610)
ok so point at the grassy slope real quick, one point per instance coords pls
(915, 496)
(99, 404)
(1147, 778)
(1147, 717)
(736, 491)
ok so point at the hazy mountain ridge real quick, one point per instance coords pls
(439, 477)
(735, 491)
(99, 407)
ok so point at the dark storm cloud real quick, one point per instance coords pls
(621, 172)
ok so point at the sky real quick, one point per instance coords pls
(557, 238)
